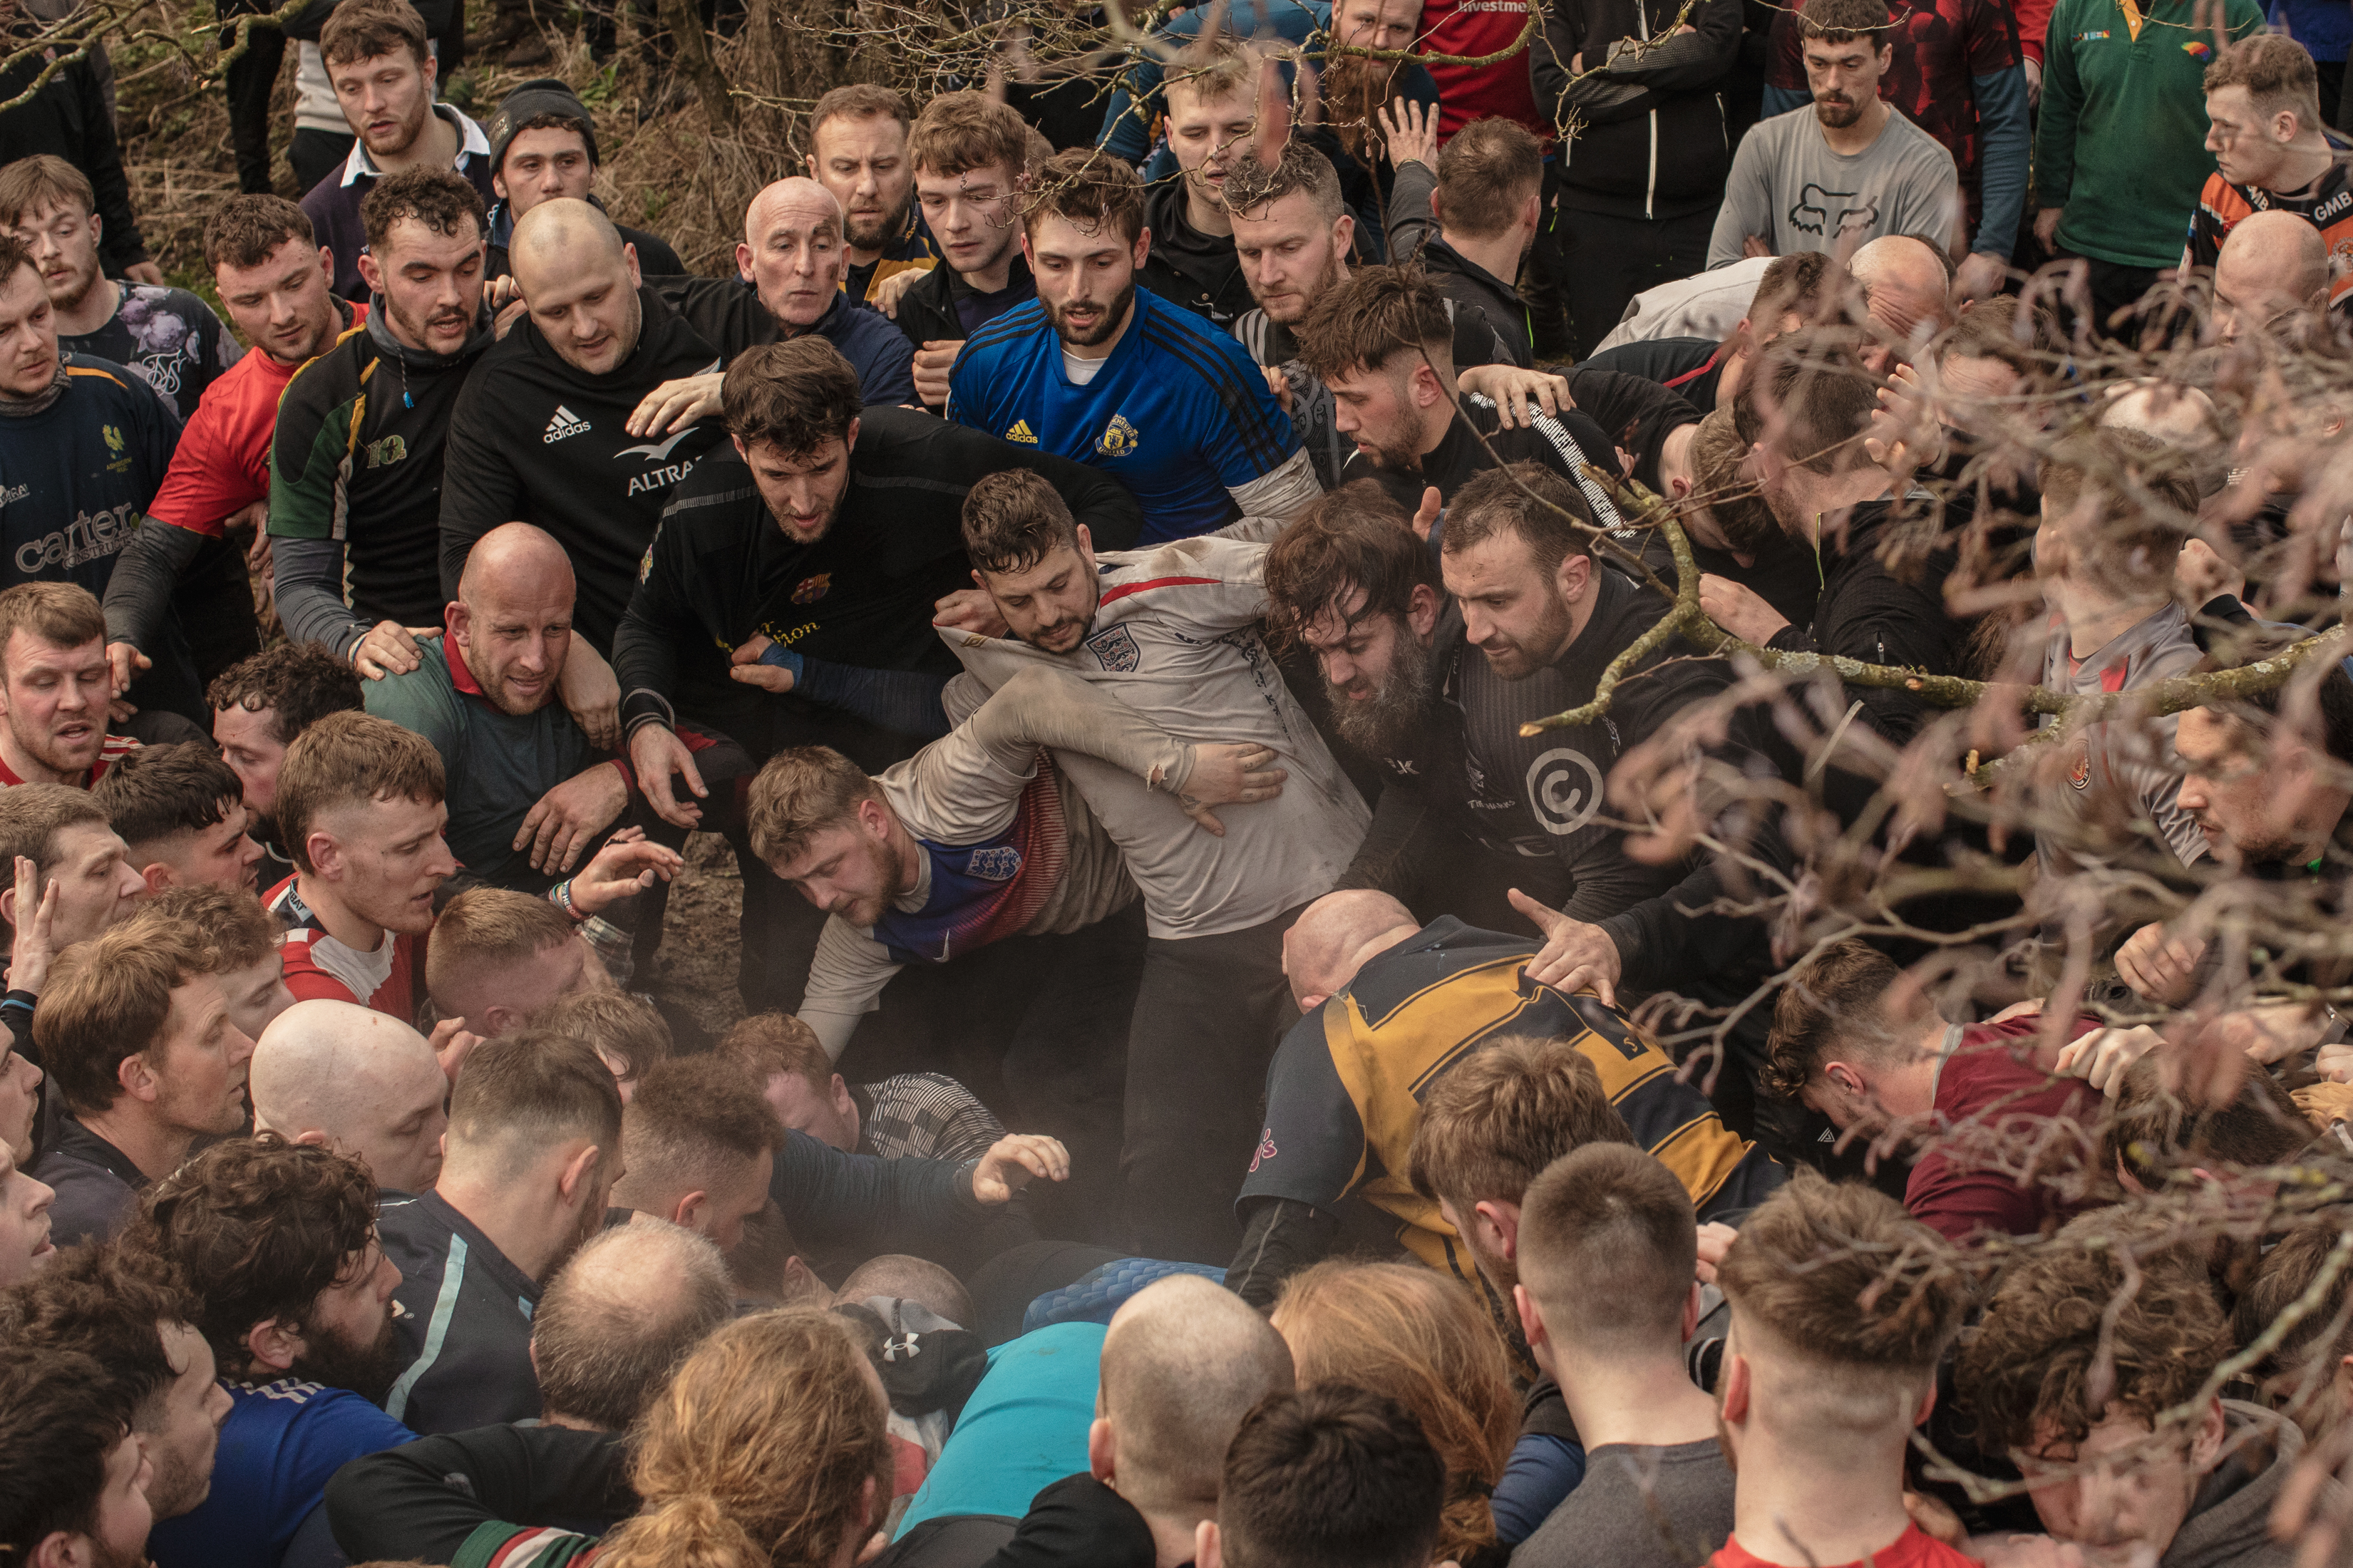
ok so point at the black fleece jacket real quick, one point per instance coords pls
(1199, 271)
(721, 569)
(1651, 142)
(1867, 612)
(537, 441)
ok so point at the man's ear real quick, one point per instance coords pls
(1208, 1552)
(156, 875)
(2206, 1448)
(1928, 1402)
(326, 855)
(1503, 1219)
(138, 1079)
(1143, 247)
(1421, 609)
(839, 1092)
(1532, 1323)
(455, 617)
(371, 274)
(499, 1021)
(1690, 1312)
(850, 438)
(1437, 208)
(630, 255)
(1344, 234)
(1735, 1386)
(57, 1550)
(688, 1210)
(1102, 1453)
(9, 907)
(578, 1178)
(498, 186)
(273, 1345)
(1572, 577)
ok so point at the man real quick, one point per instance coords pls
(359, 805)
(67, 858)
(2116, 508)
(24, 1244)
(243, 938)
(1656, 1492)
(542, 146)
(824, 533)
(1813, 400)
(132, 1315)
(260, 707)
(2273, 152)
(385, 79)
(1170, 632)
(180, 813)
(135, 1034)
(1844, 1045)
(1292, 236)
(788, 283)
(1184, 1365)
(1348, 1080)
(499, 958)
(1905, 283)
(2266, 782)
(968, 153)
(858, 149)
(1793, 291)
(1959, 75)
(352, 1080)
(1468, 214)
(2120, 148)
(635, 1301)
(1830, 1363)
(923, 1116)
(530, 1155)
(530, 796)
(2271, 280)
(84, 447)
(297, 1308)
(1847, 169)
(1635, 81)
(1212, 89)
(356, 480)
(270, 275)
(544, 432)
(1331, 1474)
(54, 686)
(78, 1474)
(698, 1148)
(1119, 379)
(1533, 617)
(1383, 343)
(63, 107)
(167, 337)
(2099, 1473)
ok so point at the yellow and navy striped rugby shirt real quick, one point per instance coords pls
(1345, 1093)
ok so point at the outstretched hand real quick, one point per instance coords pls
(1013, 1162)
(627, 865)
(1575, 957)
(1229, 774)
(1410, 133)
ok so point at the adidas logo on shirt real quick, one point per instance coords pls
(1021, 433)
(565, 422)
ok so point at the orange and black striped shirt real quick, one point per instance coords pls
(2329, 207)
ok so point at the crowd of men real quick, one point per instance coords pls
(1591, 805)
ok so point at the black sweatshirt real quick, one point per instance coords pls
(1689, 367)
(1564, 445)
(1199, 271)
(1650, 141)
(419, 1502)
(1636, 415)
(537, 441)
(1414, 234)
(1535, 802)
(721, 569)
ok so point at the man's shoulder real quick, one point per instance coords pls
(1201, 560)
(103, 381)
(331, 377)
(1445, 951)
(1016, 333)
(1914, 141)
(405, 694)
(413, 1226)
(717, 496)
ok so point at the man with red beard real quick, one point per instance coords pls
(302, 1333)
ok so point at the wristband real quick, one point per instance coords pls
(560, 896)
(783, 659)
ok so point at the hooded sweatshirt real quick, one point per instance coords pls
(2229, 1522)
(1650, 142)
(356, 470)
(540, 442)
(1187, 268)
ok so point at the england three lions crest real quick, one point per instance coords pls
(1114, 649)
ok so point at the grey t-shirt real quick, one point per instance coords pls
(1639, 1507)
(1788, 186)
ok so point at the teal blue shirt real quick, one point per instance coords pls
(1024, 1428)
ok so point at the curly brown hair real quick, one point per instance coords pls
(2069, 1318)
(719, 1489)
(266, 1225)
(105, 1301)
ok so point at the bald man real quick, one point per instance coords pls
(1184, 1361)
(1908, 289)
(550, 429)
(2272, 274)
(1391, 1005)
(789, 281)
(530, 794)
(349, 1078)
